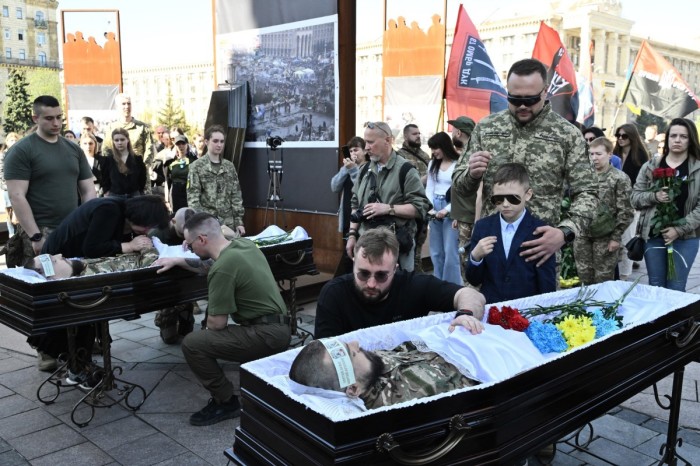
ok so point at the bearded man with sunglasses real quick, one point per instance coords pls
(378, 293)
(531, 133)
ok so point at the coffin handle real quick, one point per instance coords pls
(682, 340)
(301, 254)
(387, 444)
(65, 299)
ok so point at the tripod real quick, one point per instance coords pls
(275, 171)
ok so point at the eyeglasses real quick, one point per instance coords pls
(622, 136)
(372, 125)
(513, 199)
(189, 245)
(379, 277)
(591, 139)
(525, 100)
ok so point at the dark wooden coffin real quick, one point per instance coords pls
(498, 424)
(35, 308)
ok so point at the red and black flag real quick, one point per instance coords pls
(563, 90)
(472, 87)
(655, 86)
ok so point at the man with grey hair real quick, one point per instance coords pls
(388, 193)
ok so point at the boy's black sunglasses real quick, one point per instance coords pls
(513, 199)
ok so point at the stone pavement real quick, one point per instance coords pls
(159, 432)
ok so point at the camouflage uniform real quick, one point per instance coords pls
(409, 374)
(593, 261)
(215, 190)
(141, 137)
(120, 263)
(463, 210)
(554, 152)
(419, 159)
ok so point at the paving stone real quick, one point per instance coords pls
(121, 326)
(688, 451)
(12, 364)
(46, 441)
(26, 423)
(665, 387)
(123, 345)
(147, 450)
(25, 381)
(175, 394)
(137, 334)
(85, 454)
(560, 459)
(4, 446)
(190, 459)
(615, 453)
(208, 442)
(4, 391)
(645, 403)
(143, 353)
(119, 432)
(102, 416)
(15, 404)
(168, 359)
(12, 458)
(613, 428)
(691, 436)
(656, 425)
(634, 417)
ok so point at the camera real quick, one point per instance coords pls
(274, 142)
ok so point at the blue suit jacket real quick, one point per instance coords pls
(502, 279)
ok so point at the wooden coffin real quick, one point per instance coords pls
(495, 424)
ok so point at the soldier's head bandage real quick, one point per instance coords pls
(341, 361)
(47, 265)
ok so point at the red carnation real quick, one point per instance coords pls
(494, 316)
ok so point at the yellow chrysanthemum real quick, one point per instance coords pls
(577, 330)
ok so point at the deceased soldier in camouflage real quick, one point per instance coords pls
(65, 268)
(382, 377)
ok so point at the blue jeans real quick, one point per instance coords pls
(656, 256)
(444, 246)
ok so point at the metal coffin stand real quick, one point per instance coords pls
(495, 425)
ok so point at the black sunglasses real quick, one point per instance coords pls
(513, 199)
(624, 137)
(372, 125)
(379, 277)
(526, 100)
(591, 139)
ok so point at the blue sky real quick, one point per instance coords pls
(160, 32)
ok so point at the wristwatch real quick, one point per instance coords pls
(36, 237)
(464, 312)
(569, 235)
(391, 209)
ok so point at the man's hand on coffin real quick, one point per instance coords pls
(472, 300)
(167, 263)
(472, 324)
(484, 247)
(241, 230)
(542, 248)
(138, 244)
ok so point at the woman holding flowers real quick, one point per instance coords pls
(667, 191)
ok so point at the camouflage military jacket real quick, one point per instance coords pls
(615, 191)
(141, 137)
(463, 205)
(554, 152)
(120, 263)
(215, 190)
(416, 157)
(409, 374)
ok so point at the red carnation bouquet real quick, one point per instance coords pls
(667, 214)
(508, 317)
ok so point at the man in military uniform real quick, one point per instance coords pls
(213, 183)
(381, 378)
(140, 135)
(411, 151)
(463, 211)
(552, 149)
(384, 198)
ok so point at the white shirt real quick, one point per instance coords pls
(440, 185)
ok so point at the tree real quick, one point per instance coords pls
(171, 115)
(44, 81)
(18, 107)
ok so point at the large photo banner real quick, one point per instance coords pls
(292, 72)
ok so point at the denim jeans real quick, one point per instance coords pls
(656, 256)
(444, 246)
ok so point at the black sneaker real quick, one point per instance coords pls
(215, 412)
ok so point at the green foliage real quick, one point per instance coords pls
(44, 81)
(171, 115)
(18, 105)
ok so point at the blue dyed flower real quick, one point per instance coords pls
(546, 337)
(602, 325)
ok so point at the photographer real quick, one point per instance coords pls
(387, 195)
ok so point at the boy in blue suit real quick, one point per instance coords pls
(494, 261)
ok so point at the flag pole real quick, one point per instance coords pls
(441, 117)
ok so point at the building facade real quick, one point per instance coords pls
(191, 87)
(593, 31)
(28, 37)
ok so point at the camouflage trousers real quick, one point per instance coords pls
(19, 247)
(593, 261)
(175, 321)
(419, 239)
(465, 236)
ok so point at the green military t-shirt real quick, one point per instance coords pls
(53, 171)
(241, 283)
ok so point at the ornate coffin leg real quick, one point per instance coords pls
(56, 379)
(668, 449)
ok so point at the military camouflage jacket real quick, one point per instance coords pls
(141, 137)
(409, 373)
(120, 263)
(416, 157)
(215, 190)
(615, 191)
(463, 205)
(554, 152)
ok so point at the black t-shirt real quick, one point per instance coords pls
(95, 229)
(340, 308)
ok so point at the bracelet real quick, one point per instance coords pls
(464, 312)
(353, 233)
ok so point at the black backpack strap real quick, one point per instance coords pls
(405, 168)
